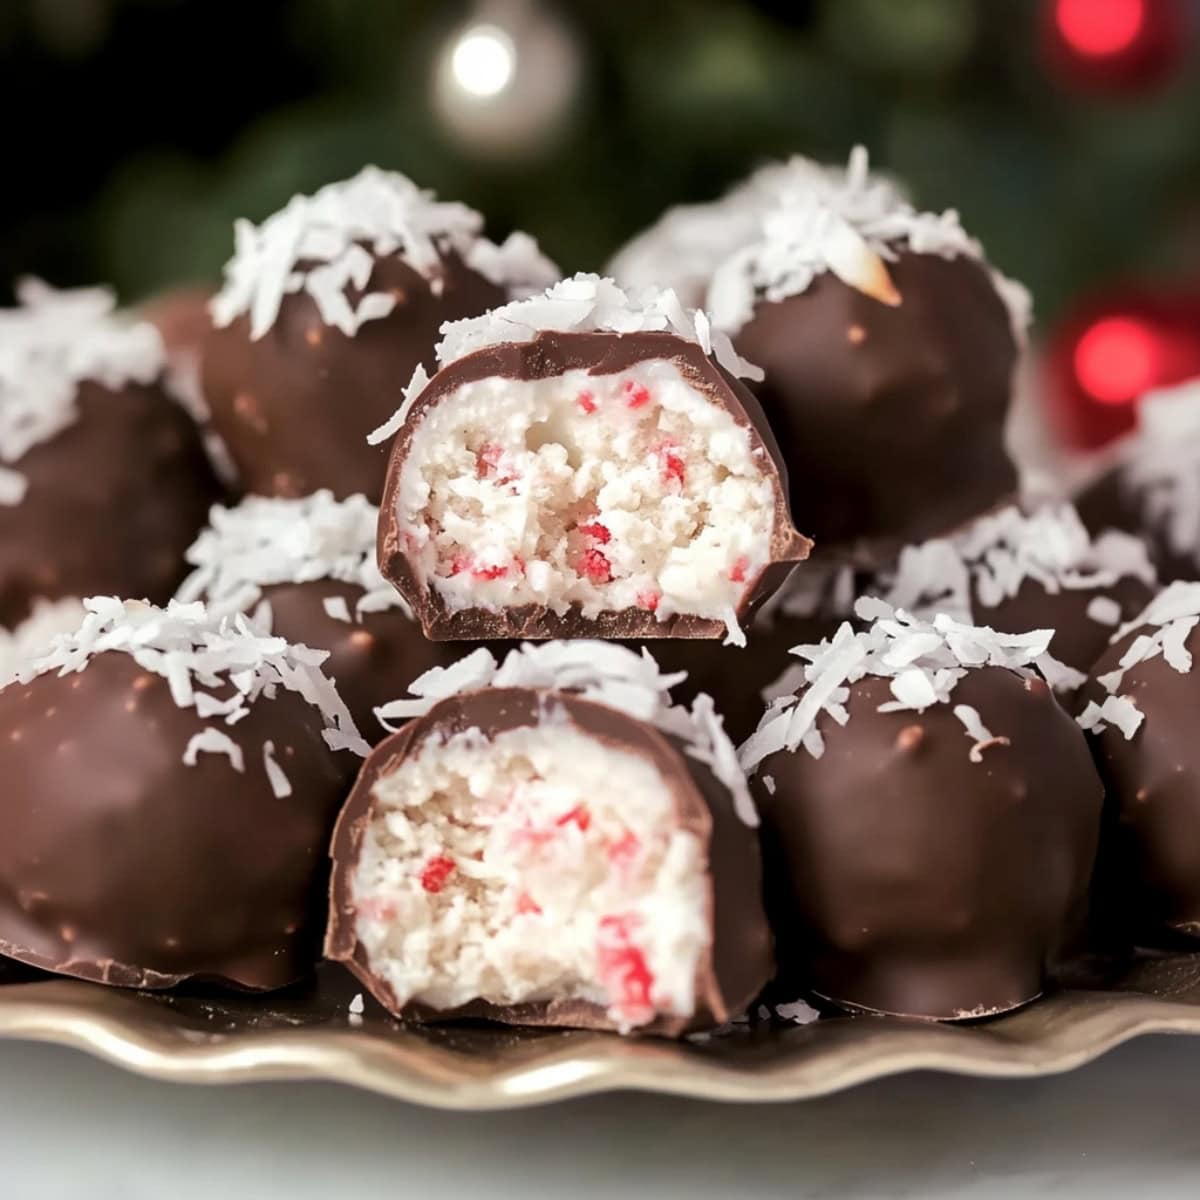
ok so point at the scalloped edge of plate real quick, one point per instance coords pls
(1056, 1035)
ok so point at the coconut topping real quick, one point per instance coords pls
(1161, 466)
(849, 224)
(217, 666)
(581, 304)
(1167, 620)
(924, 660)
(327, 243)
(687, 243)
(49, 345)
(995, 556)
(600, 671)
(265, 541)
(33, 636)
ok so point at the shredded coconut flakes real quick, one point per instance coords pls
(219, 667)
(262, 542)
(49, 345)
(1168, 621)
(580, 304)
(600, 671)
(924, 660)
(319, 244)
(996, 555)
(850, 224)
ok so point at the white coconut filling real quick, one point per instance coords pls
(498, 870)
(607, 492)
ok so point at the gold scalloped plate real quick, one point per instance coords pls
(308, 1033)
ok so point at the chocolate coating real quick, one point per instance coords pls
(904, 878)
(738, 963)
(1152, 858)
(296, 406)
(1078, 640)
(122, 865)
(113, 502)
(1111, 502)
(372, 660)
(734, 676)
(548, 355)
(891, 419)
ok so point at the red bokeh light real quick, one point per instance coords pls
(1099, 28)
(1117, 359)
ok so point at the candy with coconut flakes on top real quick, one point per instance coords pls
(305, 570)
(1014, 572)
(1141, 719)
(888, 347)
(103, 480)
(171, 783)
(327, 309)
(585, 464)
(1153, 489)
(479, 871)
(930, 818)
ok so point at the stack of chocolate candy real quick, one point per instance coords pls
(542, 552)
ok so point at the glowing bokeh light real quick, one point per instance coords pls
(1117, 359)
(1100, 28)
(484, 60)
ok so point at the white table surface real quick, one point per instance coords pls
(1129, 1127)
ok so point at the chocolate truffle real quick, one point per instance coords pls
(305, 570)
(1013, 572)
(930, 819)
(328, 307)
(888, 347)
(585, 464)
(479, 870)
(103, 481)
(1153, 488)
(171, 783)
(1142, 723)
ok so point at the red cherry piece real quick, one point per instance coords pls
(622, 966)
(597, 532)
(637, 395)
(649, 600)
(579, 815)
(587, 402)
(737, 572)
(595, 566)
(437, 870)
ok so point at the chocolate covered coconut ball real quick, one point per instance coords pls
(1142, 724)
(305, 570)
(1153, 489)
(480, 871)
(585, 463)
(930, 818)
(888, 346)
(327, 309)
(170, 786)
(1014, 572)
(103, 480)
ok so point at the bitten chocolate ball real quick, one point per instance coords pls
(580, 466)
(930, 821)
(479, 871)
(888, 348)
(1153, 490)
(1015, 572)
(104, 481)
(143, 843)
(305, 570)
(1142, 723)
(327, 309)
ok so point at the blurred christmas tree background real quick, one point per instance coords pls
(1067, 132)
